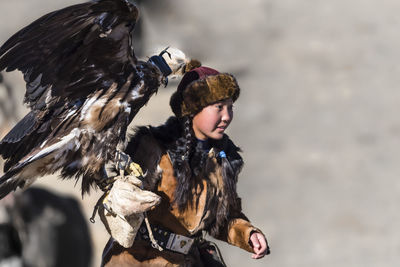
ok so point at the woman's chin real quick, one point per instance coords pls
(217, 136)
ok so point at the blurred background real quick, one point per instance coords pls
(317, 118)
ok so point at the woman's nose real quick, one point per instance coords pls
(227, 114)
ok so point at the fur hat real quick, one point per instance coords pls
(201, 87)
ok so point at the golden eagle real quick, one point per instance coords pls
(84, 86)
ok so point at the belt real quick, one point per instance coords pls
(167, 240)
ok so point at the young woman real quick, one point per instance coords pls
(193, 165)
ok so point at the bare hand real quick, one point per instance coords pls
(259, 244)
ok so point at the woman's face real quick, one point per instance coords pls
(212, 121)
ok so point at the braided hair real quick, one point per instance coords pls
(180, 155)
(190, 162)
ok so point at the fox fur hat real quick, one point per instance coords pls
(200, 87)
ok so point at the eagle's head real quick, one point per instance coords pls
(178, 62)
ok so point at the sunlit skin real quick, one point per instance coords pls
(211, 122)
(259, 244)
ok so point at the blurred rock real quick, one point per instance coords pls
(43, 229)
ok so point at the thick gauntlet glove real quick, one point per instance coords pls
(123, 208)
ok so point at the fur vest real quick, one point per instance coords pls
(212, 202)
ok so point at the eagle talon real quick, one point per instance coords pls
(122, 161)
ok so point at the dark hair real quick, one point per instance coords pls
(190, 161)
(180, 155)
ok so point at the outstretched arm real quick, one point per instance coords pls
(241, 233)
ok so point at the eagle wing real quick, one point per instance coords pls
(70, 59)
(68, 54)
(84, 86)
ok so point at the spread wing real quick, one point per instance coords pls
(67, 57)
(84, 86)
(68, 54)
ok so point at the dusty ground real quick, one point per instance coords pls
(317, 118)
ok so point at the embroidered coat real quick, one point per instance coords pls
(208, 209)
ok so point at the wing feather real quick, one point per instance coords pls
(24, 127)
(27, 134)
(72, 52)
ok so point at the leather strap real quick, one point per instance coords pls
(160, 62)
(167, 240)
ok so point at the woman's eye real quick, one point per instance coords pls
(219, 107)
